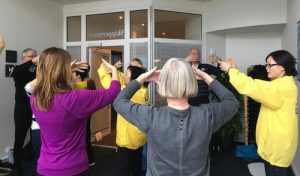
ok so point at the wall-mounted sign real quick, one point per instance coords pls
(107, 35)
(9, 68)
(11, 56)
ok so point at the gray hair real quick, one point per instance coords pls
(29, 50)
(177, 79)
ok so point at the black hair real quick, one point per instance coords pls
(136, 72)
(137, 60)
(286, 60)
(84, 74)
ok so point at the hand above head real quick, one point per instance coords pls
(107, 66)
(150, 76)
(35, 60)
(79, 65)
(226, 65)
(111, 69)
(214, 58)
(202, 75)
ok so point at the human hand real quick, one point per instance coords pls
(150, 76)
(214, 58)
(199, 73)
(2, 44)
(79, 65)
(36, 59)
(226, 65)
(107, 66)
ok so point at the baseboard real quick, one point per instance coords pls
(295, 171)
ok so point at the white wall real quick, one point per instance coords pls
(103, 6)
(242, 13)
(30, 23)
(289, 38)
(251, 48)
(215, 42)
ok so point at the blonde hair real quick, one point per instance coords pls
(54, 75)
(177, 79)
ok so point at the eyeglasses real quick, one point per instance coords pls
(270, 65)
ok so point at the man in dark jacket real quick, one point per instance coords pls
(203, 92)
(22, 74)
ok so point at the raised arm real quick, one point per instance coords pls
(137, 114)
(226, 108)
(105, 76)
(261, 91)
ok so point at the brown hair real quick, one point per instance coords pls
(54, 76)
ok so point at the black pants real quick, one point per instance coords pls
(85, 173)
(36, 144)
(89, 147)
(272, 170)
(128, 162)
(22, 118)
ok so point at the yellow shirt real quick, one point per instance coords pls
(277, 124)
(128, 135)
(80, 85)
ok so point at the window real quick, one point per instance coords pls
(139, 50)
(165, 51)
(177, 25)
(75, 52)
(107, 26)
(139, 24)
(74, 29)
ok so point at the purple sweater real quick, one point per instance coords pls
(63, 128)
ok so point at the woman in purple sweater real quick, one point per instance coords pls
(61, 113)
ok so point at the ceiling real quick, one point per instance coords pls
(65, 2)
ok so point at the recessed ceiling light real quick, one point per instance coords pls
(163, 33)
(120, 17)
(143, 24)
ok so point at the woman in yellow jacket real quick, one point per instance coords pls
(129, 139)
(277, 125)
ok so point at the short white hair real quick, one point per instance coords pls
(177, 79)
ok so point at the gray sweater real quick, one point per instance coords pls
(178, 140)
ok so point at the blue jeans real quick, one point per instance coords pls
(272, 170)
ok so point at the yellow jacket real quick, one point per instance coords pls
(80, 85)
(128, 135)
(277, 124)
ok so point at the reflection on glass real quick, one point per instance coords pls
(177, 25)
(74, 29)
(75, 52)
(139, 24)
(140, 50)
(107, 26)
(165, 51)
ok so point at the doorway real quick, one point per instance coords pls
(103, 122)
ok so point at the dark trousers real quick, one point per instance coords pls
(89, 147)
(85, 173)
(22, 119)
(272, 170)
(36, 148)
(128, 162)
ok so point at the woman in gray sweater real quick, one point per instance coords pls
(178, 134)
